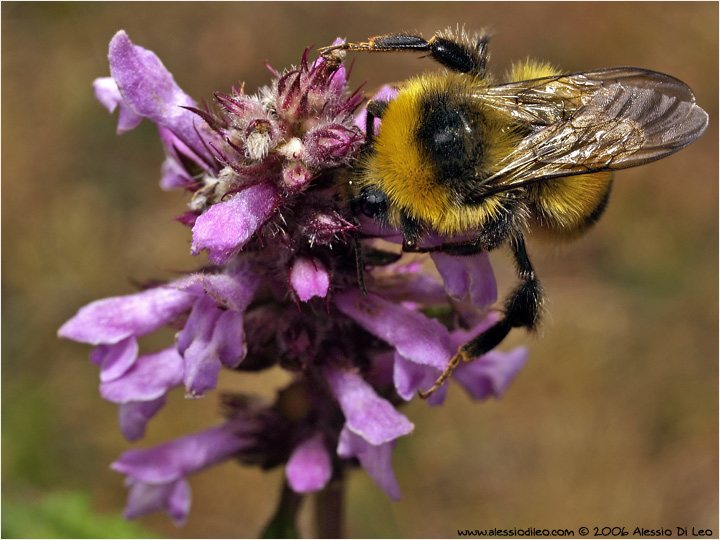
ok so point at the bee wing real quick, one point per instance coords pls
(593, 121)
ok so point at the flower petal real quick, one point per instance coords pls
(410, 377)
(113, 319)
(151, 377)
(492, 373)
(407, 376)
(108, 94)
(309, 278)
(134, 416)
(309, 467)
(225, 228)
(114, 360)
(176, 459)
(173, 175)
(414, 336)
(151, 91)
(174, 169)
(173, 497)
(375, 459)
(366, 414)
(232, 289)
(202, 363)
(468, 277)
(229, 338)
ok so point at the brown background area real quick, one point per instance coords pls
(614, 421)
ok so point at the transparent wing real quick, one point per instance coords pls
(593, 121)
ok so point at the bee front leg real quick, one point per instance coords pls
(456, 51)
(522, 310)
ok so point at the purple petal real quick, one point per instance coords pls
(400, 284)
(309, 278)
(151, 91)
(410, 377)
(225, 228)
(469, 277)
(151, 377)
(492, 373)
(134, 416)
(176, 459)
(232, 289)
(108, 94)
(173, 497)
(115, 359)
(309, 467)
(229, 338)
(111, 320)
(202, 363)
(173, 175)
(212, 337)
(376, 460)
(174, 172)
(366, 414)
(414, 336)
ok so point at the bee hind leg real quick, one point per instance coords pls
(522, 310)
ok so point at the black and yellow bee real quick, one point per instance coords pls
(458, 154)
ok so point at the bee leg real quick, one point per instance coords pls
(522, 307)
(375, 109)
(522, 310)
(359, 267)
(459, 53)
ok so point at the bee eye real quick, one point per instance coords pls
(372, 203)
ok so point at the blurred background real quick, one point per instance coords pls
(613, 422)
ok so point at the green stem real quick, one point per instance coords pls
(329, 511)
(282, 524)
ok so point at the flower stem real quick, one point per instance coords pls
(282, 524)
(329, 511)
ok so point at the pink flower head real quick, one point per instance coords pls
(267, 176)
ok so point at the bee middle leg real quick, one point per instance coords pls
(522, 310)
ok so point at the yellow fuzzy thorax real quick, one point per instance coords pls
(405, 173)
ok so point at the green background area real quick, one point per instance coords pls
(613, 422)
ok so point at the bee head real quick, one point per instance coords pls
(373, 203)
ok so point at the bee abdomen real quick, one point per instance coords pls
(565, 208)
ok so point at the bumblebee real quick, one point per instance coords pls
(464, 157)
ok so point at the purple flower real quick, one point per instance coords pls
(149, 90)
(226, 227)
(157, 476)
(281, 289)
(112, 320)
(310, 466)
(491, 374)
(375, 459)
(371, 426)
(140, 390)
(309, 278)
